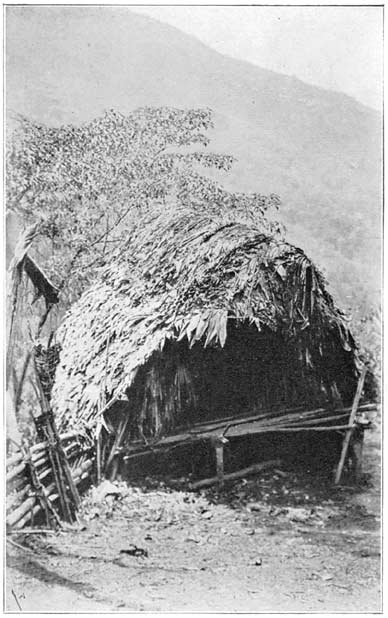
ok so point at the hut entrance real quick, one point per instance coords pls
(181, 388)
(253, 372)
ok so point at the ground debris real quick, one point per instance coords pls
(255, 506)
(206, 549)
(105, 489)
(133, 550)
(300, 514)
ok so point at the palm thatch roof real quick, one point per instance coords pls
(190, 277)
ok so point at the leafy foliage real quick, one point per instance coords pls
(368, 331)
(87, 185)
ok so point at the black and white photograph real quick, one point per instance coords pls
(193, 241)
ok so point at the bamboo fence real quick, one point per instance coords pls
(43, 479)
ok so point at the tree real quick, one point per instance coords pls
(86, 186)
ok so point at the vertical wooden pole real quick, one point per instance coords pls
(357, 449)
(63, 462)
(51, 450)
(220, 463)
(219, 446)
(349, 432)
(98, 454)
(114, 468)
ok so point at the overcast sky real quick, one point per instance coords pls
(339, 48)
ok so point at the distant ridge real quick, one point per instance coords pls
(319, 150)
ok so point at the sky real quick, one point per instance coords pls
(339, 48)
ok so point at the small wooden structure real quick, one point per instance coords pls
(202, 318)
(43, 478)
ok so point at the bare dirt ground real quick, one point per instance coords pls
(281, 542)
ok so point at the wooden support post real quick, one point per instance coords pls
(64, 464)
(56, 456)
(114, 468)
(219, 444)
(98, 452)
(220, 463)
(357, 449)
(349, 432)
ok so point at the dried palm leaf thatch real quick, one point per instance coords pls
(186, 276)
(165, 385)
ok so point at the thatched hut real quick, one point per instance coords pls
(201, 317)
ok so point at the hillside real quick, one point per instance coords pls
(319, 150)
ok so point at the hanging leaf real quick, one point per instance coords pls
(223, 322)
(212, 328)
(281, 271)
(203, 324)
(192, 325)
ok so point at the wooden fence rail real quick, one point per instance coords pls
(37, 479)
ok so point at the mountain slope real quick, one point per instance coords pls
(319, 150)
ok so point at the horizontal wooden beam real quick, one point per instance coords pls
(250, 426)
(236, 475)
